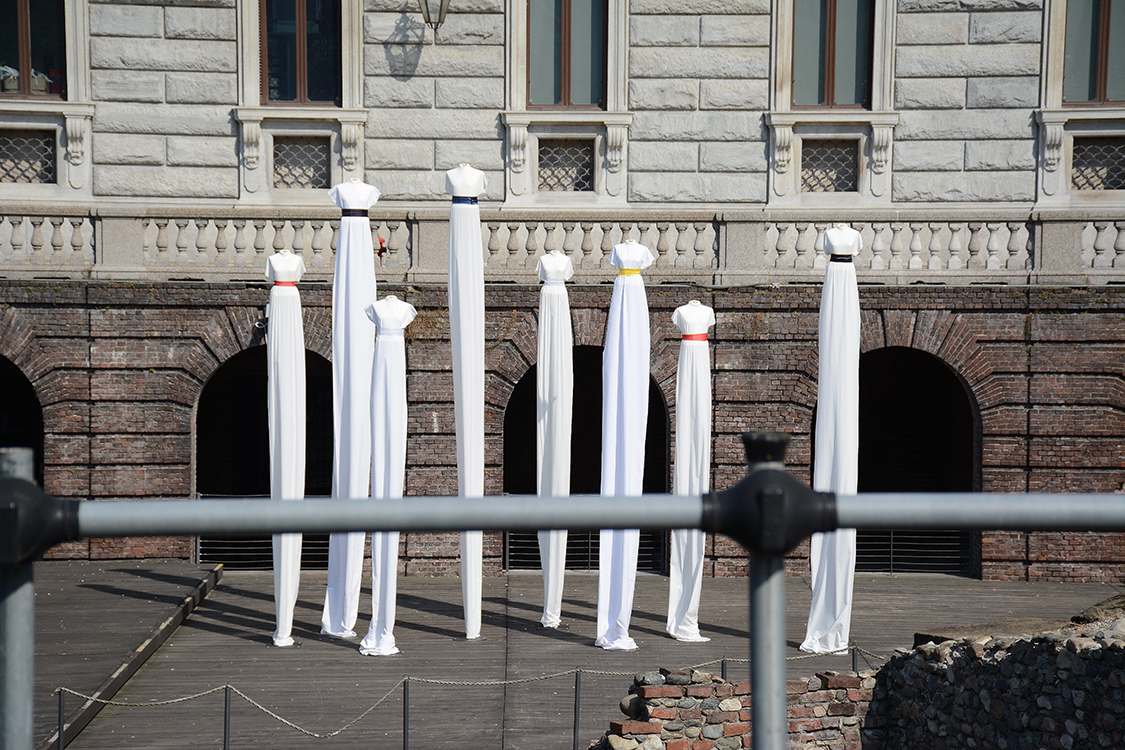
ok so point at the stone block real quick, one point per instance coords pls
(664, 31)
(946, 61)
(933, 28)
(927, 6)
(399, 154)
(455, 124)
(425, 185)
(201, 88)
(192, 151)
(391, 60)
(700, 62)
(199, 3)
(411, 6)
(963, 186)
(1005, 28)
(663, 157)
(469, 93)
(666, 94)
(674, 187)
(111, 148)
(164, 54)
(930, 93)
(732, 157)
(164, 119)
(999, 156)
(929, 125)
(694, 126)
(199, 23)
(700, 7)
(394, 93)
(734, 31)
(127, 86)
(472, 28)
(126, 20)
(1018, 91)
(929, 156)
(486, 155)
(397, 28)
(750, 94)
(160, 182)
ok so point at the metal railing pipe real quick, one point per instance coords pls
(17, 619)
(970, 511)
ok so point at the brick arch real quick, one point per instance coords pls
(944, 334)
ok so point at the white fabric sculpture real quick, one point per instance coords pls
(466, 333)
(625, 374)
(353, 348)
(388, 463)
(692, 472)
(554, 380)
(286, 351)
(836, 465)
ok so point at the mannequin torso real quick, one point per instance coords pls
(693, 318)
(284, 266)
(841, 239)
(465, 181)
(555, 266)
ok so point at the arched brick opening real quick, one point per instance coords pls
(919, 431)
(232, 450)
(21, 414)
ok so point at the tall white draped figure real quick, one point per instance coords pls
(836, 464)
(353, 349)
(466, 333)
(554, 380)
(285, 347)
(388, 463)
(625, 374)
(692, 472)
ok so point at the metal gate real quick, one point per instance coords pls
(521, 551)
(911, 551)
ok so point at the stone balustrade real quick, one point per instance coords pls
(970, 246)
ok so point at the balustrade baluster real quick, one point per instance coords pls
(896, 263)
(955, 246)
(1014, 260)
(606, 246)
(804, 245)
(1101, 245)
(56, 238)
(221, 242)
(239, 242)
(334, 226)
(299, 238)
(181, 239)
(317, 244)
(77, 241)
(782, 248)
(915, 245)
(681, 260)
(993, 246)
(532, 243)
(513, 244)
(162, 238)
(493, 245)
(976, 246)
(1119, 245)
(549, 244)
(259, 237)
(819, 260)
(568, 239)
(703, 258)
(878, 247)
(278, 234)
(587, 245)
(18, 238)
(935, 247)
(201, 240)
(394, 259)
(662, 244)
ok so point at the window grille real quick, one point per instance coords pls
(1098, 164)
(27, 156)
(566, 166)
(301, 162)
(521, 551)
(829, 166)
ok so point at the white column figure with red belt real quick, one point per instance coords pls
(466, 333)
(285, 348)
(388, 463)
(692, 472)
(353, 350)
(625, 380)
(554, 381)
(836, 442)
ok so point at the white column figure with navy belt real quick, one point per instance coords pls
(554, 387)
(836, 442)
(466, 334)
(353, 350)
(388, 463)
(625, 380)
(692, 473)
(285, 349)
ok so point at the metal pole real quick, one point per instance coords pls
(723, 672)
(406, 714)
(767, 651)
(855, 659)
(577, 702)
(62, 720)
(17, 628)
(226, 719)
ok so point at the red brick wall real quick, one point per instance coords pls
(119, 367)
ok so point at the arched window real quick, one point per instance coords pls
(21, 416)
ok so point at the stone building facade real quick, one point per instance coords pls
(148, 169)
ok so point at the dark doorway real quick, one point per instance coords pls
(918, 432)
(232, 451)
(21, 416)
(521, 550)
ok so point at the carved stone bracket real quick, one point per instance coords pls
(615, 138)
(517, 147)
(1052, 145)
(251, 143)
(881, 138)
(351, 133)
(77, 147)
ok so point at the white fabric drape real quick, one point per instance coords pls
(466, 333)
(388, 463)
(353, 348)
(836, 464)
(692, 472)
(554, 380)
(625, 374)
(285, 348)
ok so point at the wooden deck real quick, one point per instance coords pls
(326, 683)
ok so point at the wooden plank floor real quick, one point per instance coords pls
(326, 683)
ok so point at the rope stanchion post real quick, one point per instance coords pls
(62, 720)
(406, 713)
(577, 702)
(226, 718)
(855, 660)
(723, 671)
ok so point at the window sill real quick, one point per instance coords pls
(1058, 128)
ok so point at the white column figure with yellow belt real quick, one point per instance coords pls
(625, 382)
(692, 473)
(466, 334)
(353, 350)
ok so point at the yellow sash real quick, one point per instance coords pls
(629, 272)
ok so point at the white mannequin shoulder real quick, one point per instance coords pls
(465, 181)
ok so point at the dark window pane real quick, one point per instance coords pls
(281, 43)
(853, 52)
(1080, 69)
(1115, 71)
(810, 21)
(9, 48)
(587, 52)
(544, 52)
(48, 47)
(323, 17)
